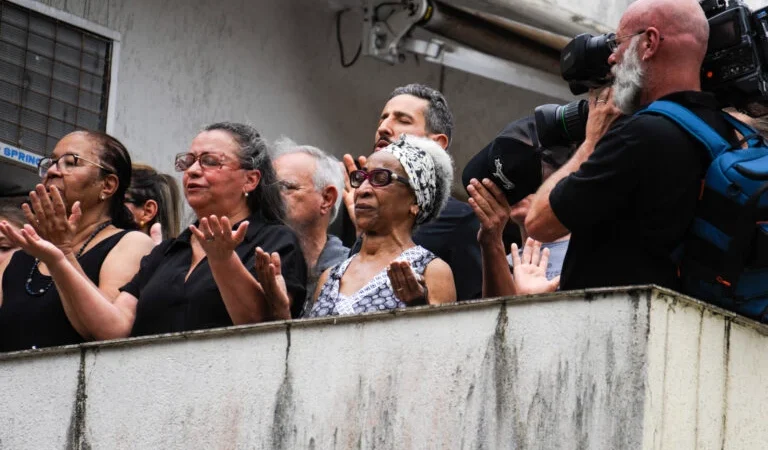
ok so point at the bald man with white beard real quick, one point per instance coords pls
(629, 192)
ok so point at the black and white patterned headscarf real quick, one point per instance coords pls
(420, 168)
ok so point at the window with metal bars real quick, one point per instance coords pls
(54, 79)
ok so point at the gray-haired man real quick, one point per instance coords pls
(311, 182)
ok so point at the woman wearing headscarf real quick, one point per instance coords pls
(402, 186)
(79, 213)
(205, 277)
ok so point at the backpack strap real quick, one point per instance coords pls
(690, 122)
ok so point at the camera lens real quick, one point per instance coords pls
(561, 125)
(584, 62)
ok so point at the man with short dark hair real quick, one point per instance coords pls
(419, 110)
(628, 195)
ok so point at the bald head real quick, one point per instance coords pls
(682, 23)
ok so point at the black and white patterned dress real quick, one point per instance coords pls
(376, 295)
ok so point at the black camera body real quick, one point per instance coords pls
(734, 68)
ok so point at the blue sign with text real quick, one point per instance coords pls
(22, 156)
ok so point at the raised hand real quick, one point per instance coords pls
(530, 271)
(408, 286)
(156, 233)
(602, 113)
(217, 238)
(47, 214)
(348, 196)
(270, 275)
(491, 208)
(28, 240)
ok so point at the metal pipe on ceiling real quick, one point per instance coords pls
(502, 38)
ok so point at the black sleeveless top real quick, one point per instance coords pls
(27, 321)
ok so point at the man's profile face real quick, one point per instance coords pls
(402, 114)
(303, 202)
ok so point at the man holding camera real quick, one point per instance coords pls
(629, 192)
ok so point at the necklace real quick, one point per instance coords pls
(43, 290)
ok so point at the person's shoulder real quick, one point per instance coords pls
(438, 267)
(273, 234)
(455, 208)
(135, 241)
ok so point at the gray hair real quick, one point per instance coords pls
(328, 170)
(438, 115)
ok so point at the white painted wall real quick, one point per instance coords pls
(275, 64)
(604, 369)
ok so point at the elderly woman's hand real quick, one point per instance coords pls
(28, 240)
(270, 275)
(530, 272)
(217, 238)
(47, 214)
(409, 287)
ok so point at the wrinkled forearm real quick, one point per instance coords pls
(541, 223)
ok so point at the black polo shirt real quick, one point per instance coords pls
(630, 204)
(168, 304)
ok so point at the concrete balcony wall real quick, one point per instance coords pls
(635, 368)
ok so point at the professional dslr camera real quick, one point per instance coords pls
(735, 69)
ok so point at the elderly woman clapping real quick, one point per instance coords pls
(77, 214)
(402, 186)
(205, 277)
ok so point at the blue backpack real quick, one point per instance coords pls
(724, 258)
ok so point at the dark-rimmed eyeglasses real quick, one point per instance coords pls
(377, 178)
(184, 161)
(65, 163)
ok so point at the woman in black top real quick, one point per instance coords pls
(205, 277)
(79, 210)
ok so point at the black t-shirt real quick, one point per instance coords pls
(629, 205)
(28, 321)
(168, 303)
(452, 236)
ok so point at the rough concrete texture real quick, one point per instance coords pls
(705, 372)
(40, 401)
(554, 373)
(628, 368)
(187, 63)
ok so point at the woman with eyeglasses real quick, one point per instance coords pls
(206, 277)
(154, 200)
(78, 217)
(402, 186)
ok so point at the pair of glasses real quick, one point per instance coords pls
(65, 163)
(184, 161)
(377, 178)
(614, 41)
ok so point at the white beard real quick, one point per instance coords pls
(628, 80)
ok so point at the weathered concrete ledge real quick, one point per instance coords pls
(636, 367)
